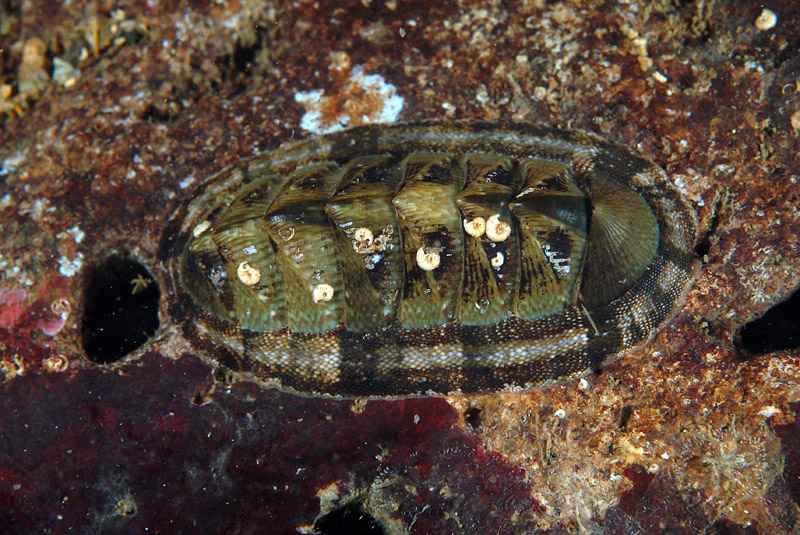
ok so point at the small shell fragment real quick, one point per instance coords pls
(322, 293)
(428, 260)
(475, 228)
(200, 228)
(497, 230)
(248, 274)
(794, 120)
(766, 20)
(498, 259)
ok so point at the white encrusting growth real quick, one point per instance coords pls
(364, 92)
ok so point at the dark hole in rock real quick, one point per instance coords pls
(223, 376)
(703, 246)
(777, 330)
(243, 56)
(120, 309)
(726, 527)
(704, 243)
(157, 114)
(474, 417)
(625, 416)
(349, 519)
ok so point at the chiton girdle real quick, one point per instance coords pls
(430, 258)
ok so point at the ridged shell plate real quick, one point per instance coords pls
(430, 258)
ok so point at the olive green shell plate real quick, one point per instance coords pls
(431, 258)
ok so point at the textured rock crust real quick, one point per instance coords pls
(114, 110)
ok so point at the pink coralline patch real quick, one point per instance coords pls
(48, 313)
(10, 309)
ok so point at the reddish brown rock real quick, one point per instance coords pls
(691, 434)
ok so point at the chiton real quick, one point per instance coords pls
(430, 258)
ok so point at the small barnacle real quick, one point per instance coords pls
(56, 364)
(363, 235)
(286, 234)
(476, 227)
(61, 307)
(322, 293)
(363, 240)
(497, 230)
(428, 260)
(248, 274)
(13, 368)
(381, 242)
(125, 505)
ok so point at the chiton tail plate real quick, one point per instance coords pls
(430, 258)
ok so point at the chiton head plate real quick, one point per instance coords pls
(430, 258)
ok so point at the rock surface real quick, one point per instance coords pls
(114, 109)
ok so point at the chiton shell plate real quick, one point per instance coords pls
(431, 258)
